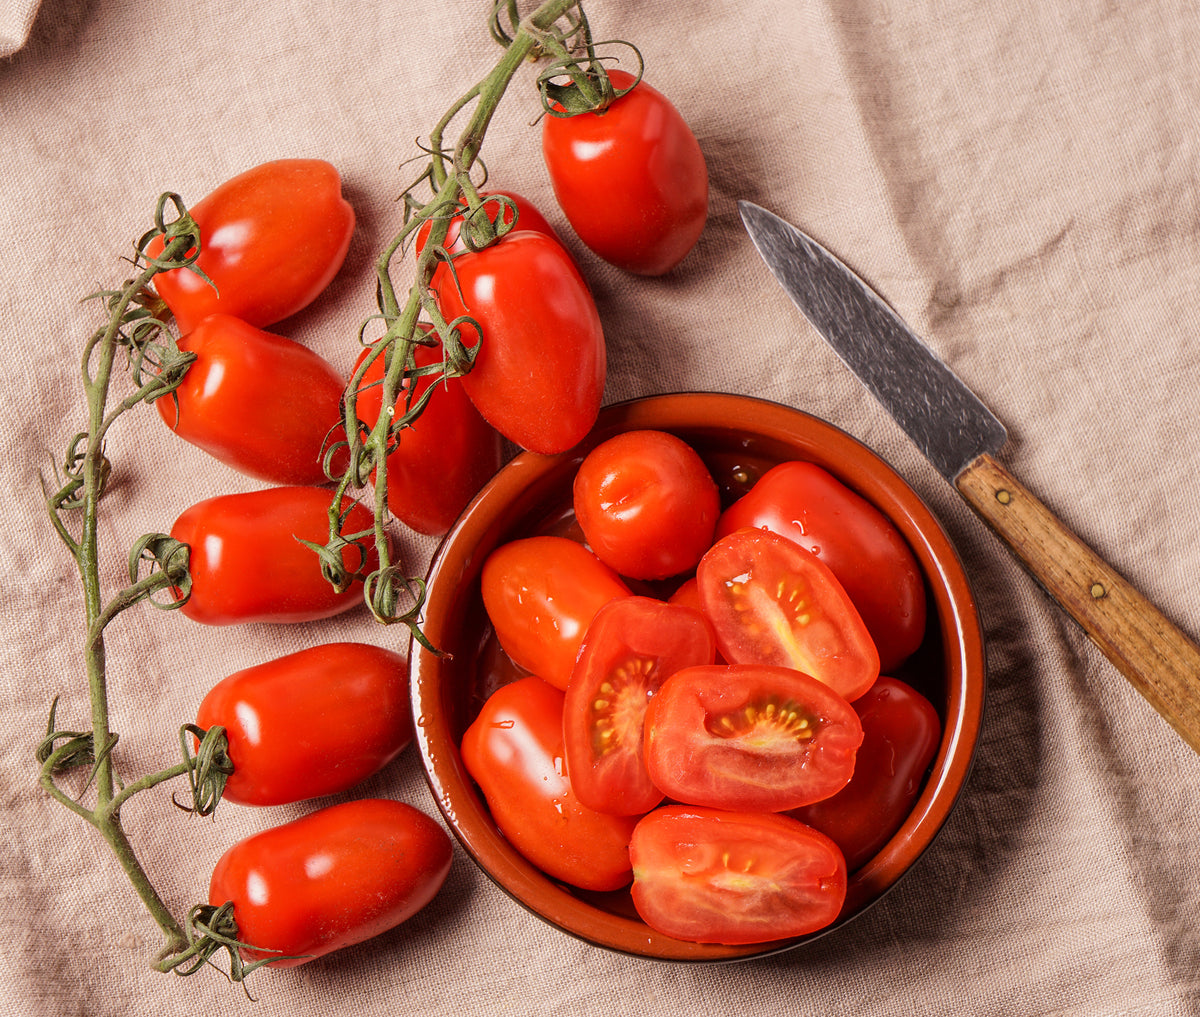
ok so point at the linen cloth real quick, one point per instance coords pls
(1018, 179)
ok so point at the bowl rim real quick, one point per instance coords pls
(514, 489)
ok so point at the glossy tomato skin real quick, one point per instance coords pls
(631, 647)
(901, 733)
(258, 402)
(446, 455)
(711, 876)
(514, 752)
(271, 239)
(528, 218)
(772, 602)
(539, 374)
(861, 546)
(749, 738)
(247, 565)
(631, 180)
(646, 504)
(331, 879)
(541, 594)
(311, 723)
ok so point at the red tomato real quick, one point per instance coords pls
(541, 594)
(443, 458)
(726, 877)
(901, 732)
(772, 602)
(646, 504)
(271, 239)
(860, 545)
(749, 738)
(258, 402)
(631, 179)
(631, 647)
(310, 723)
(247, 565)
(514, 752)
(539, 374)
(688, 595)
(528, 218)
(331, 879)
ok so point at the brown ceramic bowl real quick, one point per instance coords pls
(739, 438)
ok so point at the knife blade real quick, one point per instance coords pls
(962, 438)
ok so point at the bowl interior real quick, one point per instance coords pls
(739, 438)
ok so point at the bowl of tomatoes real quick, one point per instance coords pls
(703, 687)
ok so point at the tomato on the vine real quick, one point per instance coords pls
(861, 546)
(647, 504)
(271, 239)
(260, 403)
(901, 732)
(528, 218)
(310, 723)
(725, 877)
(443, 458)
(630, 179)
(330, 879)
(247, 563)
(538, 377)
(514, 752)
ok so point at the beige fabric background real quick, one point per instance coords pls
(1018, 178)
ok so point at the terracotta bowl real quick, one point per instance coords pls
(740, 438)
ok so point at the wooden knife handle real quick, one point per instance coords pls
(1156, 657)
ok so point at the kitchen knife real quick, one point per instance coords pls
(962, 438)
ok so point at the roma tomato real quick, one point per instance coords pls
(631, 180)
(446, 455)
(749, 738)
(311, 723)
(528, 218)
(271, 239)
(247, 565)
(514, 752)
(725, 877)
(632, 646)
(647, 504)
(901, 732)
(330, 879)
(541, 594)
(772, 602)
(870, 558)
(258, 402)
(539, 375)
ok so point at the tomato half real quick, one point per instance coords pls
(331, 879)
(724, 877)
(901, 733)
(749, 738)
(441, 460)
(631, 647)
(248, 566)
(258, 402)
(310, 723)
(861, 546)
(528, 218)
(772, 602)
(271, 239)
(646, 504)
(631, 180)
(539, 375)
(514, 752)
(541, 594)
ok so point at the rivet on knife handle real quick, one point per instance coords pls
(1156, 657)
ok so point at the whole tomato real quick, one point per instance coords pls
(247, 564)
(443, 458)
(630, 179)
(539, 374)
(330, 879)
(271, 239)
(258, 402)
(311, 723)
